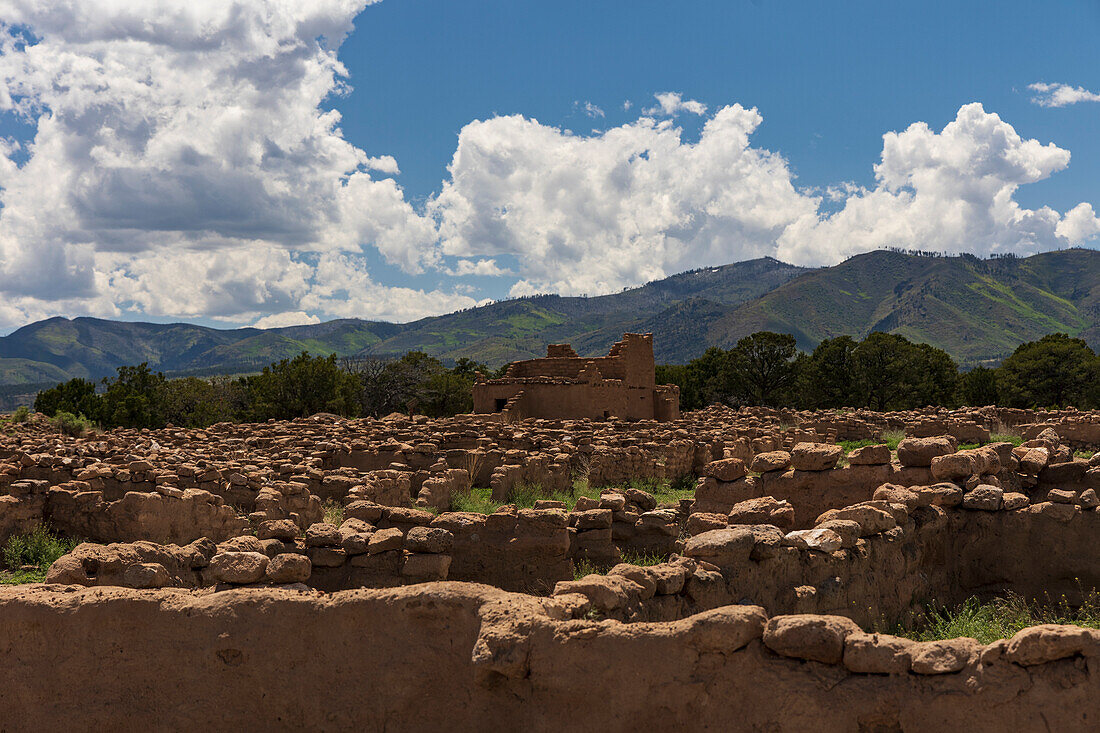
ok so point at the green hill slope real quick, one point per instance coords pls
(520, 329)
(93, 347)
(976, 310)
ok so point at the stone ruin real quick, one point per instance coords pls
(566, 386)
(212, 585)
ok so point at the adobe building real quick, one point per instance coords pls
(567, 386)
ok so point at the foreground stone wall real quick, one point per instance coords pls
(454, 656)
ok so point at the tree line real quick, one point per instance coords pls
(884, 371)
(138, 397)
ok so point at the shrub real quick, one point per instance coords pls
(77, 396)
(133, 399)
(70, 424)
(40, 548)
(1056, 371)
(977, 387)
(300, 387)
(197, 403)
(21, 413)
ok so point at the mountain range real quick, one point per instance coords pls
(977, 310)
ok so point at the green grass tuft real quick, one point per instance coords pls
(582, 568)
(22, 577)
(663, 490)
(1006, 438)
(524, 496)
(476, 500)
(642, 559)
(480, 501)
(890, 437)
(999, 618)
(585, 567)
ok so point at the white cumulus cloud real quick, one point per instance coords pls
(185, 137)
(590, 109)
(1060, 95)
(945, 191)
(1079, 225)
(485, 268)
(290, 318)
(590, 214)
(673, 103)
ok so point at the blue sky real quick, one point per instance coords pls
(829, 78)
(174, 160)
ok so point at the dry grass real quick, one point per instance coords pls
(472, 462)
(334, 512)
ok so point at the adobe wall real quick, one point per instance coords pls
(929, 555)
(630, 360)
(1080, 429)
(453, 656)
(811, 478)
(561, 401)
(555, 367)
(682, 644)
(563, 385)
(169, 516)
(879, 561)
(1077, 431)
(526, 550)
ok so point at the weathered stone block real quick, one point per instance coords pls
(722, 547)
(778, 460)
(289, 568)
(877, 653)
(238, 567)
(429, 539)
(921, 451)
(815, 456)
(807, 636)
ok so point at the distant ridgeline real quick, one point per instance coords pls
(978, 311)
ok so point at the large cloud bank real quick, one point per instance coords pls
(183, 163)
(595, 213)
